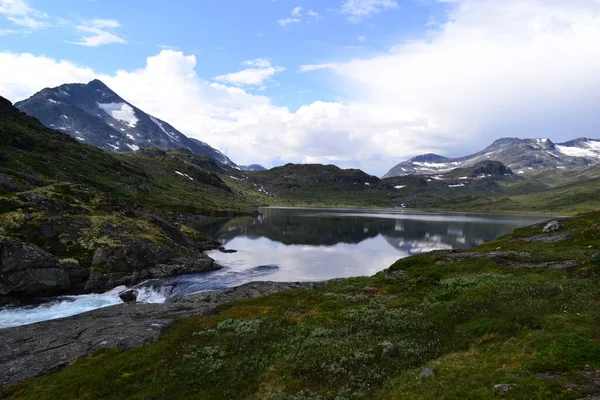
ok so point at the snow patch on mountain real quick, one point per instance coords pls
(591, 149)
(184, 175)
(120, 111)
(162, 127)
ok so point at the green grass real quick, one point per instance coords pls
(478, 322)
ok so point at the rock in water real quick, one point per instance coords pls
(129, 296)
(388, 349)
(553, 226)
(503, 389)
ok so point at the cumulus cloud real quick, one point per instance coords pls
(359, 9)
(98, 32)
(20, 13)
(495, 68)
(261, 70)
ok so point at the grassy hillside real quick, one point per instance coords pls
(34, 156)
(520, 311)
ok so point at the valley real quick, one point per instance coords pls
(85, 221)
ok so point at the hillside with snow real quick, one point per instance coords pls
(522, 156)
(94, 114)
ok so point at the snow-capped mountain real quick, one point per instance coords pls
(520, 155)
(94, 114)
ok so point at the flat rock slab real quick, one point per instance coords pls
(506, 259)
(49, 346)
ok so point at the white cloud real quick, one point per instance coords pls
(313, 14)
(316, 67)
(258, 62)
(361, 38)
(286, 21)
(359, 9)
(261, 71)
(20, 13)
(496, 68)
(296, 16)
(97, 32)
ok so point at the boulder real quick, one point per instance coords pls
(503, 389)
(129, 296)
(388, 349)
(27, 270)
(427, 373)
(553, 226)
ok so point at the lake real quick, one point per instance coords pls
(316, 244)
(300, 244)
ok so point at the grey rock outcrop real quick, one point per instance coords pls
(553, 226)
(27, 270)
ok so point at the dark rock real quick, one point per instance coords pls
(9, 184)
(503, 389)
(29, 350)
(427, 373)
(388, 349)
(224, 250)
(27, 270)
(129, 296)
(132, 254)
(553, 226)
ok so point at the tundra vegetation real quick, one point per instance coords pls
(516, 317)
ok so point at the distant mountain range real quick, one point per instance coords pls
(522, 156)
(94, 114)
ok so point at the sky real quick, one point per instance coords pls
(355, 83)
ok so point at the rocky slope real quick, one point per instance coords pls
(94, 114)
(77, 219)
(523, 156)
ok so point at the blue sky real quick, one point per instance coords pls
(222, 34)
(357, 83)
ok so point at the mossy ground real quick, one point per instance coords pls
(477, 322)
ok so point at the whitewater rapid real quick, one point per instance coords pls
(155, 291)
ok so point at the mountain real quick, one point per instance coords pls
(94, 114)
(79, 219)
(523, 156)
(252, 167)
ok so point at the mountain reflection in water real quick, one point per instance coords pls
(314, 244)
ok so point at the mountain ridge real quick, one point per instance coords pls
(94, 114)
(520, 155)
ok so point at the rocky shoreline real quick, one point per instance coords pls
(49, 346)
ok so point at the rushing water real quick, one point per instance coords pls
(295, 244)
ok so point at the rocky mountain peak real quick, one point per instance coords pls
(96, 115)
(520, 155)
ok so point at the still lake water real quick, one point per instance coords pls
(299, 244)
(318, 244)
